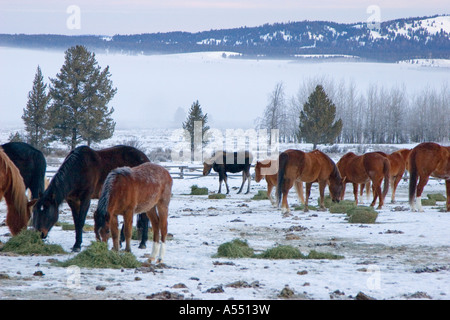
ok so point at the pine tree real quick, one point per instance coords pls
(195, 114)
(35, 114)
(80, 95)
(317, 117)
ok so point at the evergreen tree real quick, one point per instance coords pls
(35, 114)
(195, 114)
(80, 94)
(317, 117)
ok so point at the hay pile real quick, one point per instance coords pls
(29, 242)
(196, 191)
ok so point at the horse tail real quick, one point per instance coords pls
(282, 161)
(103, 201)
(386, 171)
(412, 177)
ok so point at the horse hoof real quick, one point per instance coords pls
(76, 249)
(142, 246)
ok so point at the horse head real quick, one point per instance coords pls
(336, 185)
(207, 166)
(258, 175)
(45, 214)
(101, 226)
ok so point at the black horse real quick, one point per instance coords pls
(31, 164)
(78, 180)
(235, 162)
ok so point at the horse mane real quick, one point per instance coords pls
(16, 196)
(103, 202)
(64, 180)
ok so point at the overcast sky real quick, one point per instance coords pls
(109, 17)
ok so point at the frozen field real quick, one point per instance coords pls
(404, 255)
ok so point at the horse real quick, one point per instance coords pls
(78, 180)
(425, 160)
(268, 170)
(369, 167)
(223, 162)
(296, 166)
(31, 164)
(143, 188)
(13, 189)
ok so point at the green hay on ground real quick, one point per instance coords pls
(326, 201)
(97, 255)
(261, 195)
(217, 196)
(195, 190)
(282, 252)
(428, 202)
(29, 242)
(302, 207)
(437, 196)
(71, 227)
(342, 207)
(362, 214)
(235, 249)
(313, 254)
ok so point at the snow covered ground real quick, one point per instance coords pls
(404, 255)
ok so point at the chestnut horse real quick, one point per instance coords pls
(145, 188)
(425, 160)
(296, 166)
(223, 162)
(397, 160)
(268, 170)
(369, 167)
(12, 188)
(78, 180)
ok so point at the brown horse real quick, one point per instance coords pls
(296, 166)
(425, 160)
(369, 167)
(145, 188)
(12, 188)
(397, 160)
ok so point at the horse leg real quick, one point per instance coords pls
(114, 229)
(447, 187)
(423, 180)
(269, 193)
(395, 183)
(299, 189)
(287, 185)
(307, 194)
(377, 194)
(163, 212)
(226, 183)
(220, 184)
(142, 226)
(128, 228)
(154, 219)
(243, 181)
(322, 186)
(249, 178)
(79, 209)
(355, 192)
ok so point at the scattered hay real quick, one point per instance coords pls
(240, 249)
(217, 196)
(302, 207)
(342, 207)
(71, 227)
(97, 255)
(235, 249)
(436, 196)
(261, 195)
(29, 242)
(326, 201)
(196, 191)
(362, 214)
(428, 202)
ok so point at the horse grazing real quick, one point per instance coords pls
(145, 188)
(31, 164)
(369, 167)
(425, 160)
(397, 160)
(12, 188)
(223, 162)
(268, 170)
(296, 166)
(78, 180)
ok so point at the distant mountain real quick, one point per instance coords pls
(400, 39)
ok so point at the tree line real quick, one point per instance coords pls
(375, 116)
